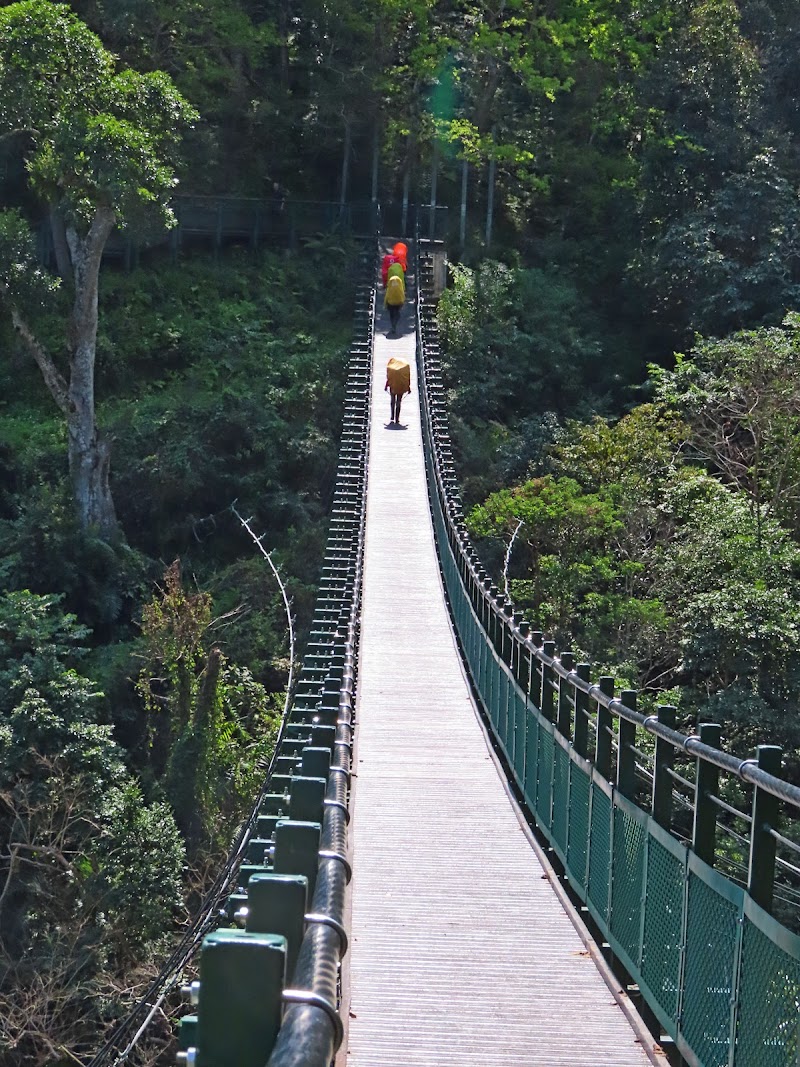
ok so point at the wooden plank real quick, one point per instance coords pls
(460, 953)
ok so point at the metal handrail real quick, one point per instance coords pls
(694, 939)
(746, 770)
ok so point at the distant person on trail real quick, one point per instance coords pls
(396, 271)
(398, 383)
(400, 253)
(393, 300)
(388, 261)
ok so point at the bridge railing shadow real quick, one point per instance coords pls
(671, 844)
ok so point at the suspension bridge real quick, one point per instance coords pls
(466, 850)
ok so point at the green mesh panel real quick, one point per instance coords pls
(627, 882)
(663, 922)
(769, 1004)
(544, 788)
(560, 797)
(599, 851)
(513, 719)
(708, 979)
(494, 687)
(578, 823)
(471, 641)
(519, 737)
(531, 758)
(502, 707)
(491, 688)
(483, 680)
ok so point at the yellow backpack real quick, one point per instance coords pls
(398, 376)
(395, 292)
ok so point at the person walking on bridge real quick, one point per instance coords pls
(393, 301)
(398, 383)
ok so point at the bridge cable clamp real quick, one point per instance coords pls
(341, 770)
(314, 1000)
(329, 854)
(745, 763)
(330, 803)
(327, 920)
(690, 737)
(649, 719)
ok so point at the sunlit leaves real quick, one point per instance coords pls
(22, 279)
(92, 136)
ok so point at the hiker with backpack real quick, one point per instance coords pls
(398, 383)
(395, 270)
(388, 261)
(393, 301)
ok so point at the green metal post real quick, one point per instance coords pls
(535, 681)
(603, 747)
(239, 1008)
(274, 804)
(296, 850)
(766, 814)
(323, 736)
(626, 758)
(307, 799)
(547, 696)
(581, 739)
(662, 779)
(276, 904)
(564, 696)
(316, 762)
(187, 1032)
(706, 787)
(522, 664)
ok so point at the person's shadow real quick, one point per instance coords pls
(395, 426)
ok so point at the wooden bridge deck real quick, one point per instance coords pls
(461, 952)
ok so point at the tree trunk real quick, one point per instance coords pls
(58, 232)
(89, 451)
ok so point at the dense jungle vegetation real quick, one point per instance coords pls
(641, 163)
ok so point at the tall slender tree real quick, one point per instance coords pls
(100, 150)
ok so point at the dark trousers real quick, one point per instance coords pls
(394, 316)
(396, 401)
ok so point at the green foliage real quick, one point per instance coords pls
(638, 453)
(90, 872)
(211, 724)
(36, 644)
(22, 279)
(95, 136)
(523, 350)
(45, 548)
(561, 532)
(733, 583)
(741, 398)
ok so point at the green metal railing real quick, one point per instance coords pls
(639, 846)
(268, 986)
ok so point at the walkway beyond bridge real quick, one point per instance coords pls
(461, 952)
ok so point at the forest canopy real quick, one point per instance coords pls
(618, 188)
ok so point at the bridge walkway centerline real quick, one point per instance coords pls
(460, 951)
